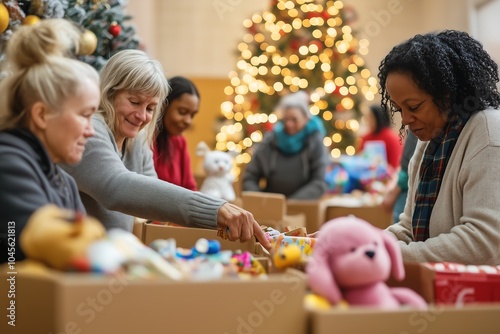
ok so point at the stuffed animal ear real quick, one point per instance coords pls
(391, 244)
(320, 277)
(202, 149)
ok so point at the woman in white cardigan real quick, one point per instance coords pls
(444, 86)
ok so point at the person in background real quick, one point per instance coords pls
(46, 106)
(171, 157)
(291, 159)
(379, 125)
(116, 177)
(395, 196)
(444, 86)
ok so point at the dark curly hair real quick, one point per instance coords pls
(451, 66)
(178, 86)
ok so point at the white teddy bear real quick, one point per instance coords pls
(218, 178)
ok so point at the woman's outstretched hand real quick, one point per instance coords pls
(241, 224)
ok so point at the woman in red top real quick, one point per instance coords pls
(380, 129)
(171, 156)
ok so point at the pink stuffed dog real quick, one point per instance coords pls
(352, 260)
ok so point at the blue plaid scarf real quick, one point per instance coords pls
(433, 166)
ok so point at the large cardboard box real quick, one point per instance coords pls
(270, 209)
(439, 318)
(186, 237)
(55, 303)
(484, 319)
(314, 211)
(375, 215)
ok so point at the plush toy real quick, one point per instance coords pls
(287, 256)
(218, 178)
(59, 237)
(352, 260)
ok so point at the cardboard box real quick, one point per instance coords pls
(138, 228)
(438, 319)
(270, 209)
(451, 283)
(375, 215)
(314, 211)
(186, 237)
(484, 319)
(55, 302)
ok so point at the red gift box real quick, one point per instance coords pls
(452, 283)
(459, 284)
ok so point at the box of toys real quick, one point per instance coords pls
(187, 236)
(136, 300)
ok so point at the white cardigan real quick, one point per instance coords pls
(465, 221)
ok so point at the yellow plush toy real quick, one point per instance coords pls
(59, 237)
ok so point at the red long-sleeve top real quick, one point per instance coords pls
(177, 169)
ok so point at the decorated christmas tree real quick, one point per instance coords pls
(103, 24)
(297, 45)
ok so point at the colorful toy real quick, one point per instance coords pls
(316, 302)
(58, 237)
(352, 260)
(121, 249)
(218, 178)
(305, 244)
(246, 264)
(287, 256)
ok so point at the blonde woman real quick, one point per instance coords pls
(46, 106)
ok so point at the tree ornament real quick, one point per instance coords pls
(4, 18)
(253, 29)
(37, 7)
(311, 15)
(295, 45)
(88, 43)
(30, 20)
(268, 126)
(115, 29)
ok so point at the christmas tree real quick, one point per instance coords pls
(297, 45)
(103, 24)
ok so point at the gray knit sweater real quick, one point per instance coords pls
(115, 190)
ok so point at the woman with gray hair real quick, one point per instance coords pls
(116, 176)
(291, 159)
